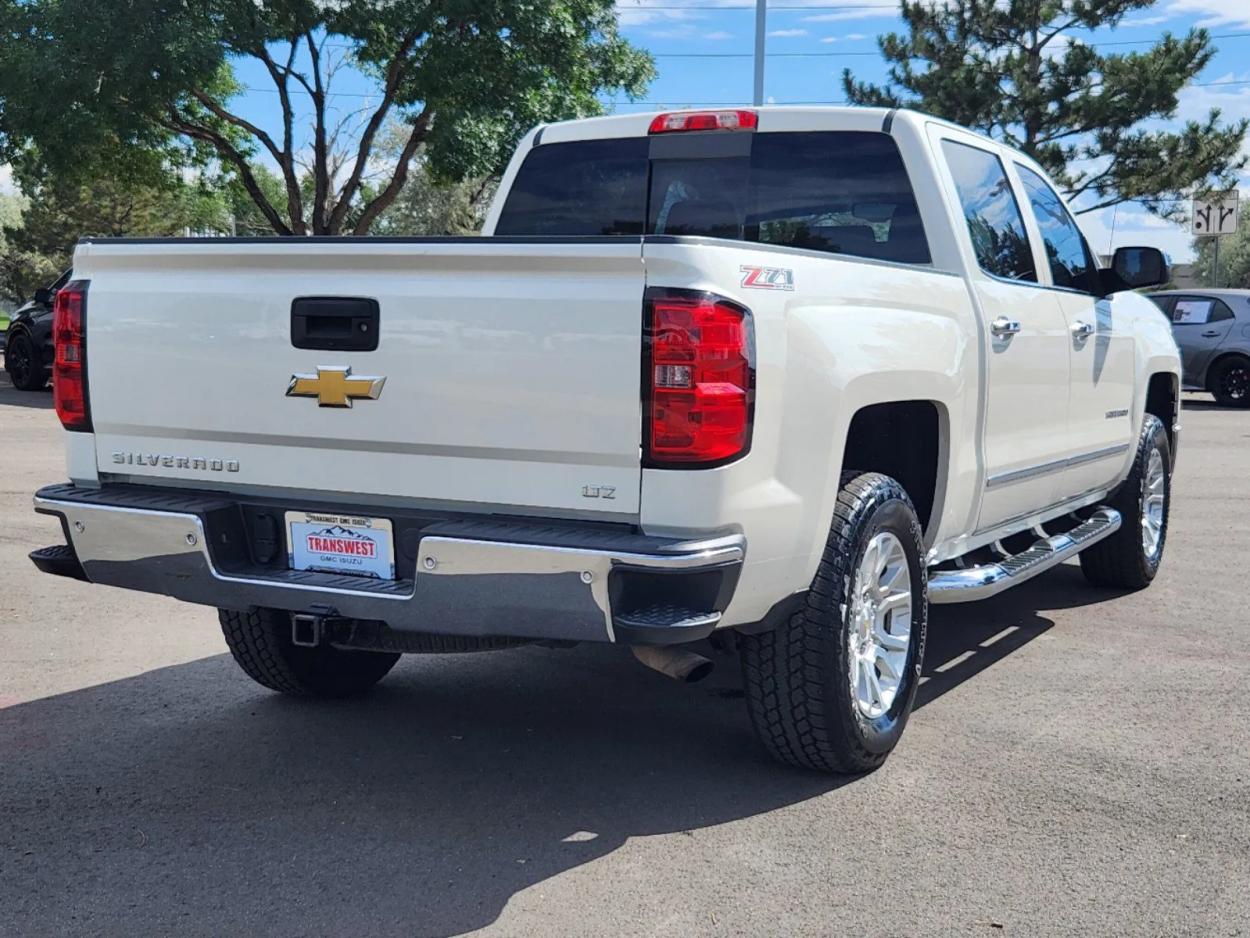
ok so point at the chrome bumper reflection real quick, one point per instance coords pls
(462, 586)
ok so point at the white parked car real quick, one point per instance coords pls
(788, 375)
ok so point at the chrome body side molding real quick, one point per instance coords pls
(958, 586)
(1058, 465)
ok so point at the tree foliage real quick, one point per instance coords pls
(466, 77)
(115, 198)
(1020, 71)
(1234, 259)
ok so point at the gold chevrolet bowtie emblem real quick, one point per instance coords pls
(335, 387)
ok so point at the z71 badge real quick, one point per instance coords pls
(767, 278)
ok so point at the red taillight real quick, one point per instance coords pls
(704, 120)
(69, 368)
(699, 380)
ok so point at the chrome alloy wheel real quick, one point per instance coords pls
(880, 625)
(1154, 495)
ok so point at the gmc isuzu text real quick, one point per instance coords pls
(784, 376)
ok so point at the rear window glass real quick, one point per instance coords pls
(592, 187)
(839, 191)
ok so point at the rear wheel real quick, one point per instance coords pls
(831, 689)
(260, 640)
(22, 362)
(1130, 558)
(1230, 381)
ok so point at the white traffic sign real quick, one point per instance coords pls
(1216, 215)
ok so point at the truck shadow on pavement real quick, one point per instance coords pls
(12, 397)
(188, 800)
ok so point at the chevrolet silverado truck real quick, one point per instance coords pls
(780, 378)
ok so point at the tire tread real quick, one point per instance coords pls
(785, 671)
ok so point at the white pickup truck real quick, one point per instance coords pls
(782, 377)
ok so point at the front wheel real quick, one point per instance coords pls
(261, 643)
(1130, 558)
(831, 689)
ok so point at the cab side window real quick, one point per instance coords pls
(991, 211)
(1071, 264)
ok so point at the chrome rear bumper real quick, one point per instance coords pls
(470, 578)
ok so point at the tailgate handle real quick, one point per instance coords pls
(335, 323)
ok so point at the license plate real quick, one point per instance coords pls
(340, 544)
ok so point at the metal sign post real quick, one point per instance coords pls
(761, 15)
(1213, 217)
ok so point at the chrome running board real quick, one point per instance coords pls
(972, 583)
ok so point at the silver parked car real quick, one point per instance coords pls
(1212, 329)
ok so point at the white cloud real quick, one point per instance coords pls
(1213, 12)
(1135, 226)
(786, 33)
(854, 37)
(647, 12)
(851, 14)
(718, 36)
(644, 12)
(828, 39)
(1134, 22)
(6, 179)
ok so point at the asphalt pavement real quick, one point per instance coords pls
(1078, 765)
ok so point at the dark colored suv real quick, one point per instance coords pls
(28, 341)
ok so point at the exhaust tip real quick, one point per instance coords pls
(677, 663)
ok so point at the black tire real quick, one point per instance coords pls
(260, 640)
(1122, 560)
(798, 676)
(1229, 381)
(24, 363)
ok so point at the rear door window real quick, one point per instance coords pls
(991, 211)
(839, 191)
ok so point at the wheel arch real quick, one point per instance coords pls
(1222, 356)
(1163, 400)
(908, 440)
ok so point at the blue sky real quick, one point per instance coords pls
(703, 54)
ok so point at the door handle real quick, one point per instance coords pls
(1082, 330)
(1210, 335)
(1004, 326)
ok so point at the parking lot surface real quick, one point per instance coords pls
(1079, 763)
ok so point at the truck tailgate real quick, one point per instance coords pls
(511, 369)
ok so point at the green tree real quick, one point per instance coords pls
(11, 205)
(116, 198)
(1234, 259)
(466, 77)
(429, 204)
(1020, 71)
